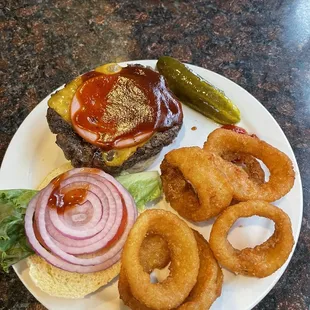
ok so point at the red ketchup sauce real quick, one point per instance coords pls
(238, 129)
(64, 201)
(126, 106)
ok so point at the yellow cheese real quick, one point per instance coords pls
(111, 68)
(61, 100)
(120, 155)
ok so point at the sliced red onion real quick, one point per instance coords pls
(85, 228)
(101, 200)
(79, 216)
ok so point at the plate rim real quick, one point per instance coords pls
(296, 167)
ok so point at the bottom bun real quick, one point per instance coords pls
(60, 283)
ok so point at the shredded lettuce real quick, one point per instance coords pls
(144, 187)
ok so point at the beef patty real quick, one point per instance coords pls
(84, 154)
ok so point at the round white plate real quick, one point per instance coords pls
(32, 154)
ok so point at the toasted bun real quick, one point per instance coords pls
(61, 283)
(53, 174)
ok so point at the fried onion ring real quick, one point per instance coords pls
(207, 288)
(209, 282)
(195, 188)
(184, 264)
(154, 253)
(249, 164)
(282, 175)
(262, 260)
(126, 295)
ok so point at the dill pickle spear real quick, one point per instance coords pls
(197, 93)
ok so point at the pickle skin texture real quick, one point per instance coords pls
(197, 93)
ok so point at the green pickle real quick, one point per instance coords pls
(197, 93)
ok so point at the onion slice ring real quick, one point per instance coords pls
(262, 260)
(195, 188)
(209, 282)
(249, 164)
(206, 290)
(282, 174)
(184, 260)
(54, 238)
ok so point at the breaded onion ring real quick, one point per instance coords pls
(207, 288)
(209, 282)
(262, 260)
(282, 175)
(154, 253)
(126, 295)
(195, 188)
(249, 164)
(184, 264)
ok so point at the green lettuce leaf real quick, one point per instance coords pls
(13, 241)
(144, 187)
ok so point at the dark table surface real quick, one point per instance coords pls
(262, 45)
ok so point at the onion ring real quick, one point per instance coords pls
(249, 164)
(184, 260)
(209, 282)
(126, 295)
(207, 288)
(282, 175)
(103, 226)
(194, 187)
(262, 260)
(154, 253)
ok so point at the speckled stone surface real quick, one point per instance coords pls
(264, 46)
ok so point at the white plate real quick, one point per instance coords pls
(32, 154)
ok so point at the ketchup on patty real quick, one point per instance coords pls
(123, 109)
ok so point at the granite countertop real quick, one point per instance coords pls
(264, 46)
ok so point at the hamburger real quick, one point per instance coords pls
(115, 118)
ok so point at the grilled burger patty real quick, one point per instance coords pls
(84, 154)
